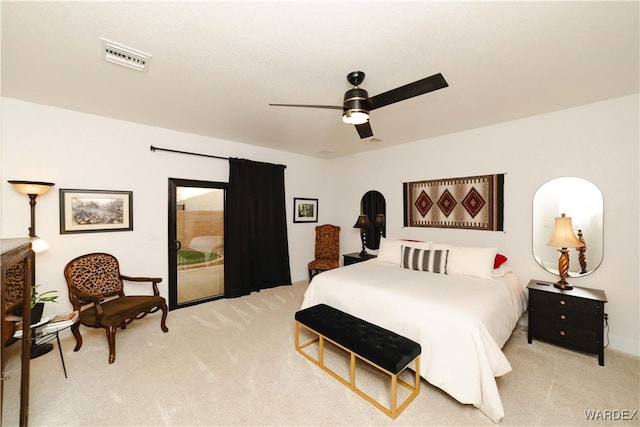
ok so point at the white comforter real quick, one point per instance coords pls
(460, 322)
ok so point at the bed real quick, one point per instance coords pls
(462, 319)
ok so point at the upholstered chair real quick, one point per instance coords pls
(327, 249)
(96, 290)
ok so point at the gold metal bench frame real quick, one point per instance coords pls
(394, 410)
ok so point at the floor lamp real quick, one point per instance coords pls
(33, 189)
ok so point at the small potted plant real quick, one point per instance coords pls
(37, 302)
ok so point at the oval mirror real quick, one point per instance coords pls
(373, 205)
(580, 200)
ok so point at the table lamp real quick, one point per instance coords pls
(363, 223)
(563, 238)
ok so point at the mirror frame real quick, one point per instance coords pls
(580, 199)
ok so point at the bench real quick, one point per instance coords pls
(381, 348)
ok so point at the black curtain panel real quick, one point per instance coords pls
(256, 246)
(372, 204)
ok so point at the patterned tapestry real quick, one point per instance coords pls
(473, 202)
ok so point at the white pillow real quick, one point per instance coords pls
(441, 247)
(390, 250)
(469, 261)
(501, 271)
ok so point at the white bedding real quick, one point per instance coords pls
(460, 322)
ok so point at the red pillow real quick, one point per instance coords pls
(500, 259)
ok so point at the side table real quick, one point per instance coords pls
(570, 318)
(45, 331)
(355, 257)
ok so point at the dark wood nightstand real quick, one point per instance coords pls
(355, 257)
(570, 318)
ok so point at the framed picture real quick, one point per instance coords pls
(90, 211)
(305, 210)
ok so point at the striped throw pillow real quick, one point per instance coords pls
(434, 261)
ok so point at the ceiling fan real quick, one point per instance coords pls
(357, 104)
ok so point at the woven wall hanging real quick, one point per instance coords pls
(473, 202)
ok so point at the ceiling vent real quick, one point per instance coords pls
(124, 55)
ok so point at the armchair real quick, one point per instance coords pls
(96, 290)
(327, 249)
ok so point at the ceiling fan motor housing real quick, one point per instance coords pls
(356, 101)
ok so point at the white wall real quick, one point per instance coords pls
(82, 151)
(598, 142)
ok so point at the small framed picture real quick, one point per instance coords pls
(91, 211)
(305, 210)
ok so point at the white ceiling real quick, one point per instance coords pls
(217, 65)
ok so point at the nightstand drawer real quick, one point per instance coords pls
(564, 302)
(565, 334)
(564, 316)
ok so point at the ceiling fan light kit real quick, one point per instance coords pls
(357, 104)
(355, 117)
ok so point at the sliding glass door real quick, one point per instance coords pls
(196, 241)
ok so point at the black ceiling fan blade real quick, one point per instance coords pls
(330, 107)
(420, 87)
(364, 130)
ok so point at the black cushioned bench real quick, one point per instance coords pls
(381, 348)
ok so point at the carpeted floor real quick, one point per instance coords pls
(232, 362)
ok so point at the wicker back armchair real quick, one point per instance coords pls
(96, 291)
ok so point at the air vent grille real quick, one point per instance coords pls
(126, 56)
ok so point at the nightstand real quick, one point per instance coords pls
(570, 318)
(355, 257)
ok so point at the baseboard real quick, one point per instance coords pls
(624, 345)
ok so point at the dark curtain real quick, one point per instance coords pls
(256, 246)
(372, 204)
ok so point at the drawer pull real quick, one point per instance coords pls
(563, 317)
(562, 333)
(562, 302)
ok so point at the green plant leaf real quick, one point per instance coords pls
(47, 296)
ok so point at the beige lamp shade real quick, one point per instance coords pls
(32, 187)
(563, 235)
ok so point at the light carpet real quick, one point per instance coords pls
(232, 362)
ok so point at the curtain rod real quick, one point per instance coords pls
(152, 148)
